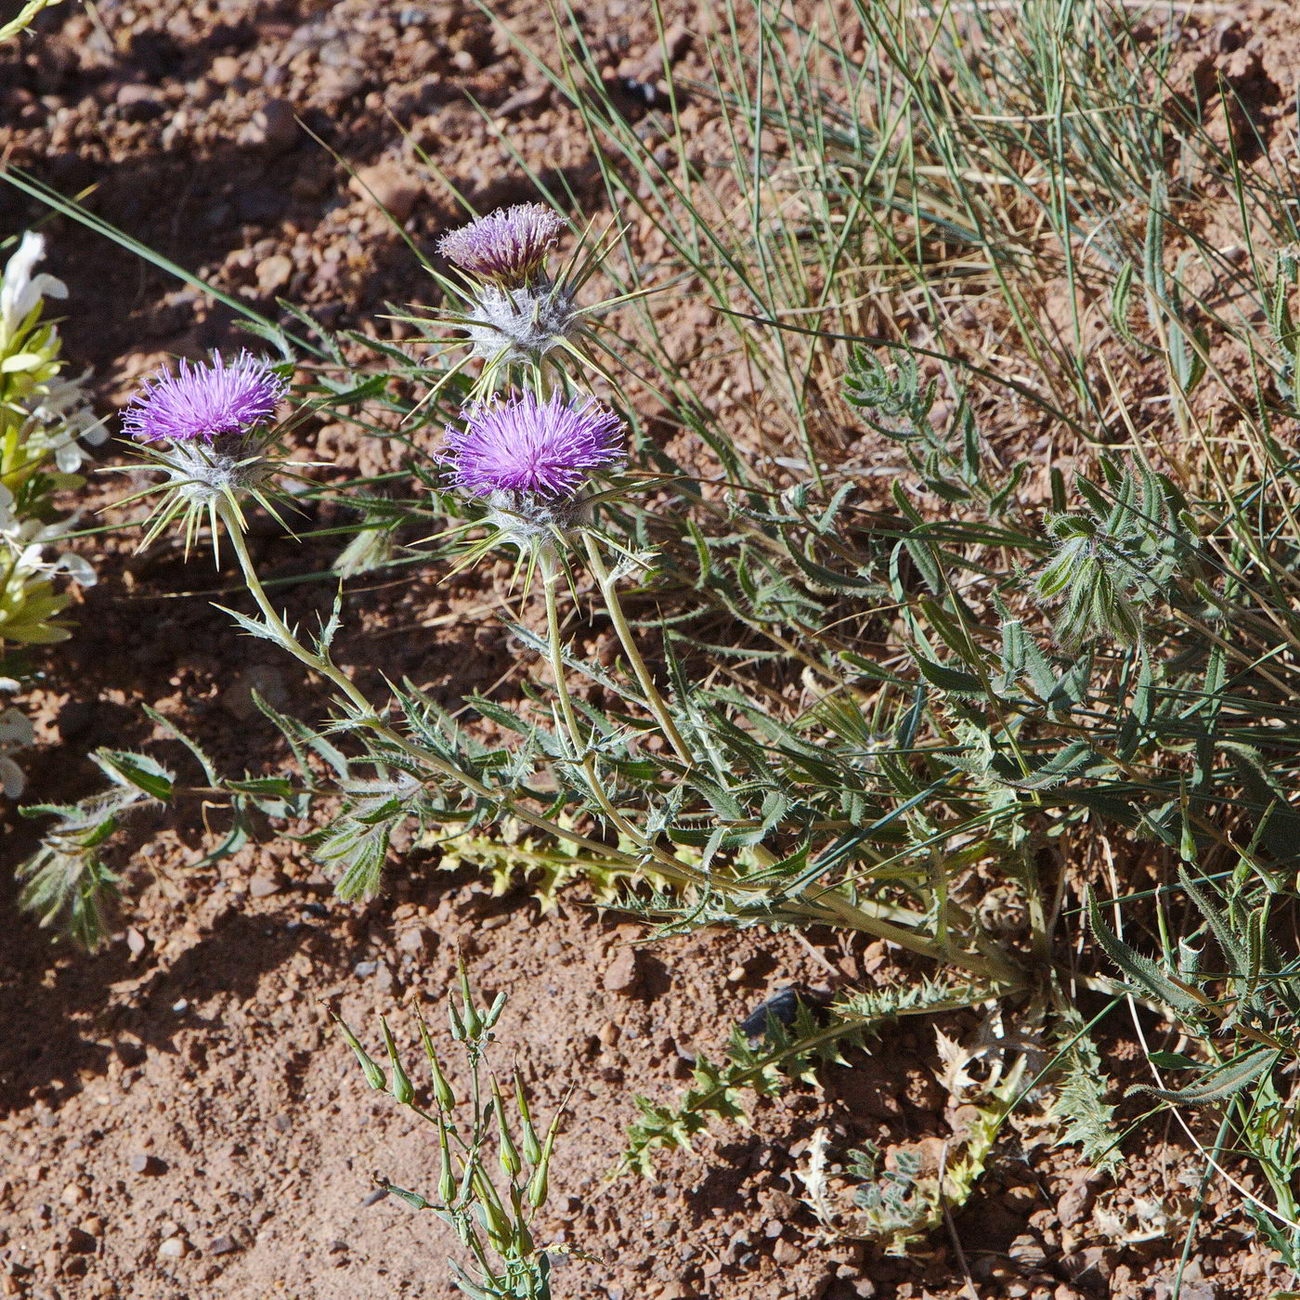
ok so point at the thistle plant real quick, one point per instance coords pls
(516, 321)
(828, 702)
(208, 429)
(490, 1209)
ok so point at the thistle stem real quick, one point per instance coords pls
(609, 593)
(829, 906)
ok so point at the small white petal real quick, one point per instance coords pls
(78, 568)
(68, 457)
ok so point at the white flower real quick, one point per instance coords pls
(27, 539)
(62, 402)
(15, 733)
(20, 290)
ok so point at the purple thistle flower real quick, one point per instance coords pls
(523, 445)
(509, 244)
(205, 402)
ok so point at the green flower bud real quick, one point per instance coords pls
(401, 1087)
(374, 1075)
(532, 1147)
(509, 1155)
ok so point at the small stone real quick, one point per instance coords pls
(415, 940)
(389, 185)
(621, 975)
(80, 1242)
(1075, 1203)
(136, 942)
(364, 969)
(223, 1245)
(173, 1248)
(264, 884)
(786, 1253)
(146, 1165)
(73, 1194)
(272, 127)
(139, 103)
(224, 69)
(273, 273)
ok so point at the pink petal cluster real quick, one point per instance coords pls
(203, 402)
(509, 244)
(538, 448)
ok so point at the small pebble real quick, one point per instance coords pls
(264, 884)
(173, 1248)
(621, 975)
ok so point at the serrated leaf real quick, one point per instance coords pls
(1219, 1084)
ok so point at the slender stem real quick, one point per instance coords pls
(550, 581)
(609, 593)
(318, 663)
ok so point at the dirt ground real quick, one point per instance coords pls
(176, 1118)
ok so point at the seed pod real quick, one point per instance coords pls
(401, 1086)
(473, 1021)
(532, 1147)
(539, 1185)
(374, 1075)
(442, 1092)
(466, 1180)
(494, 1216)
(509, 1155)
(446, 1180)
(493, 1013)
(457, 1024)
(524, 1244)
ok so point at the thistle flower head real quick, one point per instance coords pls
(205, 403)
(509, 245)
(527, 448)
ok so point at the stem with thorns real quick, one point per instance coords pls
(829, 906)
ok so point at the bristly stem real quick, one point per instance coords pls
(829, 905)
(609, 593)
(318, 663)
